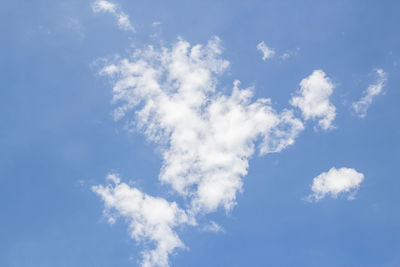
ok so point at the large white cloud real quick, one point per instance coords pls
(335, 182)
(373, 90)
(208, 136)
(105, 6)
(267, 51)
(170, 94)
(313, 99)
(150, 218)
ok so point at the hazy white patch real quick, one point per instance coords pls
(104, 6)
(313, 99)
(44, 30)
(335, 182)
(114, 178)
(289, 53)
(108, 7)
(267, 51)
(150, 218)
(81, 183)
(156, 23)
(75, 25)
(285, 55)
(213, 227)
(373, 90)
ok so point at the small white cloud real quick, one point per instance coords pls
(156, 23)
(313, 99)
(285, 55)
(373, 90)
(335, 182)
(108, 7)
(113, 177)
(267, 52)
(150, 218)
(213, 227)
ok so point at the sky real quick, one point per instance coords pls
(199, 133)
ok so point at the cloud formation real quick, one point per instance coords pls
(149, 218)
(267, 51)
(335, 182)
(313, 99)
(108, 7)
(207, 138)
(373, 90)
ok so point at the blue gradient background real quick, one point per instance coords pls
(57, 136)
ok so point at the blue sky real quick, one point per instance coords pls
(60, 140)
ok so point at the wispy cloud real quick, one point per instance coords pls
(75, 25)
(289, 53)
(213, 227)
(108, 7)
(207, 138)
(313, 99)
(373, 90)
(335, 182)
(266, 51)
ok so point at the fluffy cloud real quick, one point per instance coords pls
(207, 138)
(149, 218)
(267, 52)
(335, 182)
(313, 99)
(106, 6)
(361, 106)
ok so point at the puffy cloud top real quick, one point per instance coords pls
(335, 182)
(313, 99)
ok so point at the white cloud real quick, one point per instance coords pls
(108, 7)
(267, 51)
(104, 6)
(207, 138)
(213, 227)
(150, 218)
(313, 99)
(335, 182)
(373, 90)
